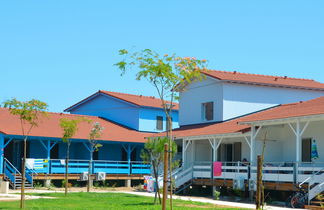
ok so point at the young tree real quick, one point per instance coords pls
(28, 113)
(70, 127)
(167, 74)
(153, 154)
(94, 134)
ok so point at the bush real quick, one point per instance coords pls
(216, 194)
(38, 184)
(63, 184)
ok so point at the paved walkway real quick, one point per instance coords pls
(208, 200)
(14, 197)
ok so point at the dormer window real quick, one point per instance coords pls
(159, 123)
(207, 111)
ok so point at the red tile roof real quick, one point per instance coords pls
(49, 127)
(139, 100)
(300, 109)
(307, 108)
(258, 79)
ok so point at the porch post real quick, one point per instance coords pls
(252, 144)
(48, 156)
(1, 152)
(193, 151)
(298, 141)
(214, 150)
(183, 151)
(129, 158)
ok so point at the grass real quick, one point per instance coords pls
(89, 201)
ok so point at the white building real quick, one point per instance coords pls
(231, 116)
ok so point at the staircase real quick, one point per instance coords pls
(183, 179)
(12, 174)
(315, 185)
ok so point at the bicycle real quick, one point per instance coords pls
(297, 200)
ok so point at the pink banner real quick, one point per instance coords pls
(217, 168)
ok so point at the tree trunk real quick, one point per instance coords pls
(23, 176)
(89, 170)
(258, 200)
(67, 168)
(165, 177)
(170, 156)
(156, 183)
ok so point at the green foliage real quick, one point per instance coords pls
(38, 184)
(70, 127)
(28, 111)
(94, 134)
(217, 194)
(154, 149)
(63, 184)
(165, 72)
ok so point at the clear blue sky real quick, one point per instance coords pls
(62, 51)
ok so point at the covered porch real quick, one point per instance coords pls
(46, 155)
(287, 148)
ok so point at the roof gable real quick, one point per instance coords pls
(137, 100)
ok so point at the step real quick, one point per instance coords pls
(312, 207)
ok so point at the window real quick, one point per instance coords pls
(55, 151)
(167, 124)
(208, 111)
(306, 150)
(95, 155)
(159, 123)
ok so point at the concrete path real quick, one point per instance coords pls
(14, 197)
(208, 200)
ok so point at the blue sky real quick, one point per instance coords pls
(62, 51)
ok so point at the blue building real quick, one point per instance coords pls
(127, 120)
(142, 113)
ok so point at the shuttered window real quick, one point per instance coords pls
(237, 151)
(208, 111)
(306, 150)
(159, 123)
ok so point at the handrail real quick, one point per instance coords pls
(310, 177)
(15, 169)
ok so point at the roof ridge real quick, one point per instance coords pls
(129, 94)
(263, 75)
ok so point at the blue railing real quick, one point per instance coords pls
(10, 171)
(79, 166)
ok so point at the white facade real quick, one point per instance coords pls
(234, 100)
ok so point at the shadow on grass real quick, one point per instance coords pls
(141, 204)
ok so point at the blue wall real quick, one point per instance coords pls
(110, 108)
(147, 121)
(37, 150)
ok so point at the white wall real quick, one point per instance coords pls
(281, 144)
(208, 90)
(240, 99)
(203, 151)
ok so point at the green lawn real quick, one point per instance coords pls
(107, 201)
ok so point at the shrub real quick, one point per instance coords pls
(216, 194)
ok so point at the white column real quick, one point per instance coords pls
(252, 144)
(214, 151)
(193, 143)
(298, 141)
(183, 152)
